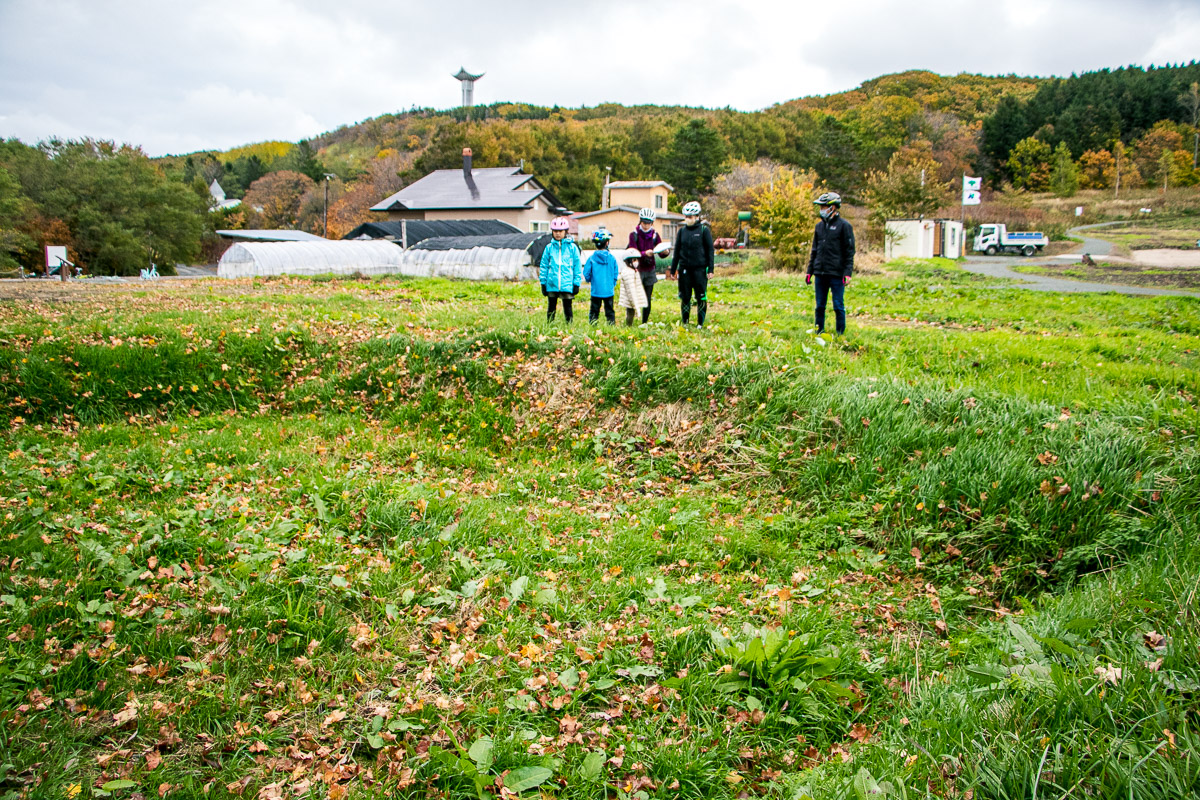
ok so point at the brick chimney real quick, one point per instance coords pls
(467, 162)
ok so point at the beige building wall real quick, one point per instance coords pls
(650, 197)
(620, 224)
(618, 221)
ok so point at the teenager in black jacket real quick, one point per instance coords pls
(831, 259)
(693, 261)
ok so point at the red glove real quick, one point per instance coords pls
(808, 279)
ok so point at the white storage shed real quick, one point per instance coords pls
(923, 238)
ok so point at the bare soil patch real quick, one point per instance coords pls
(1128, 274)
(1167, 258)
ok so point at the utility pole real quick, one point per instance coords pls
(325, 214)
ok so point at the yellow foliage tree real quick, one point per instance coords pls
(785, 217)
(1097, 168)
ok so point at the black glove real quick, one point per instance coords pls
(574, 290)
(710, 270)
(544, 292)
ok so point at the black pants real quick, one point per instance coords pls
(648, 281)
(553, 305)
(693, 281)
(594, 312)
(826, 285)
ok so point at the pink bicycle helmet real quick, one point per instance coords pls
(560, 224)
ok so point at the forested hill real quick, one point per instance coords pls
(897, 144)
(966, 123)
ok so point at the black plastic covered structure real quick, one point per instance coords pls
(414, 231)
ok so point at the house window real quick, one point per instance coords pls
(658, 201)
(539, 226)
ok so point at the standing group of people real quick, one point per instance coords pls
(562, 271)
(634, 269)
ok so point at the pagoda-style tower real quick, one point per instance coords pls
(468, 86)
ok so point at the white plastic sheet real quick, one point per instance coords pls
(252, 259)
(476, 264)
(373, 258)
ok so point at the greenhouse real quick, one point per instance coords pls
(253, 259)
(507, 257)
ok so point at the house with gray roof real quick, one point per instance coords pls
(503, 193)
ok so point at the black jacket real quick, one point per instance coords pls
(693, 248)
(832, 251)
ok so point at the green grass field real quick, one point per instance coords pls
(295, 538)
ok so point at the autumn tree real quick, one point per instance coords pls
(1097, 169)
(1148, 151)
(1029, 164)
(955, 146)
(738, 189)
(884, 124)
(785, 217)
(908, 189)
(277, 197)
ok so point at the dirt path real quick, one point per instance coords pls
(1001, 267)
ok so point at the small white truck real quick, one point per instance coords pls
(994, 238)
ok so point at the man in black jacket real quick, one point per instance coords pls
(831, 259)
(694, 263)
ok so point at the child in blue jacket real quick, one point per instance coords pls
(601, 272)
(560, 273)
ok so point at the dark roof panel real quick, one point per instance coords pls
(532, 243)
(418, 230)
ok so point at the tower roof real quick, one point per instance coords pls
(463, 75)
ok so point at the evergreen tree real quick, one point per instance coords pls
(303, 159)
(1064, 175)
(1001, 132)
(694, 159)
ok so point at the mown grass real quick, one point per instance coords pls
(292, 538)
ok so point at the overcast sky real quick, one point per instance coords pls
(180, 77)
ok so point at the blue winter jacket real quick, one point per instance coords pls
(561, 270)
(601, 272)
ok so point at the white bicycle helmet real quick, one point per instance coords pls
(691, 209)
(647, 215)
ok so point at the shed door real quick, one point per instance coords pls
(937, 239)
